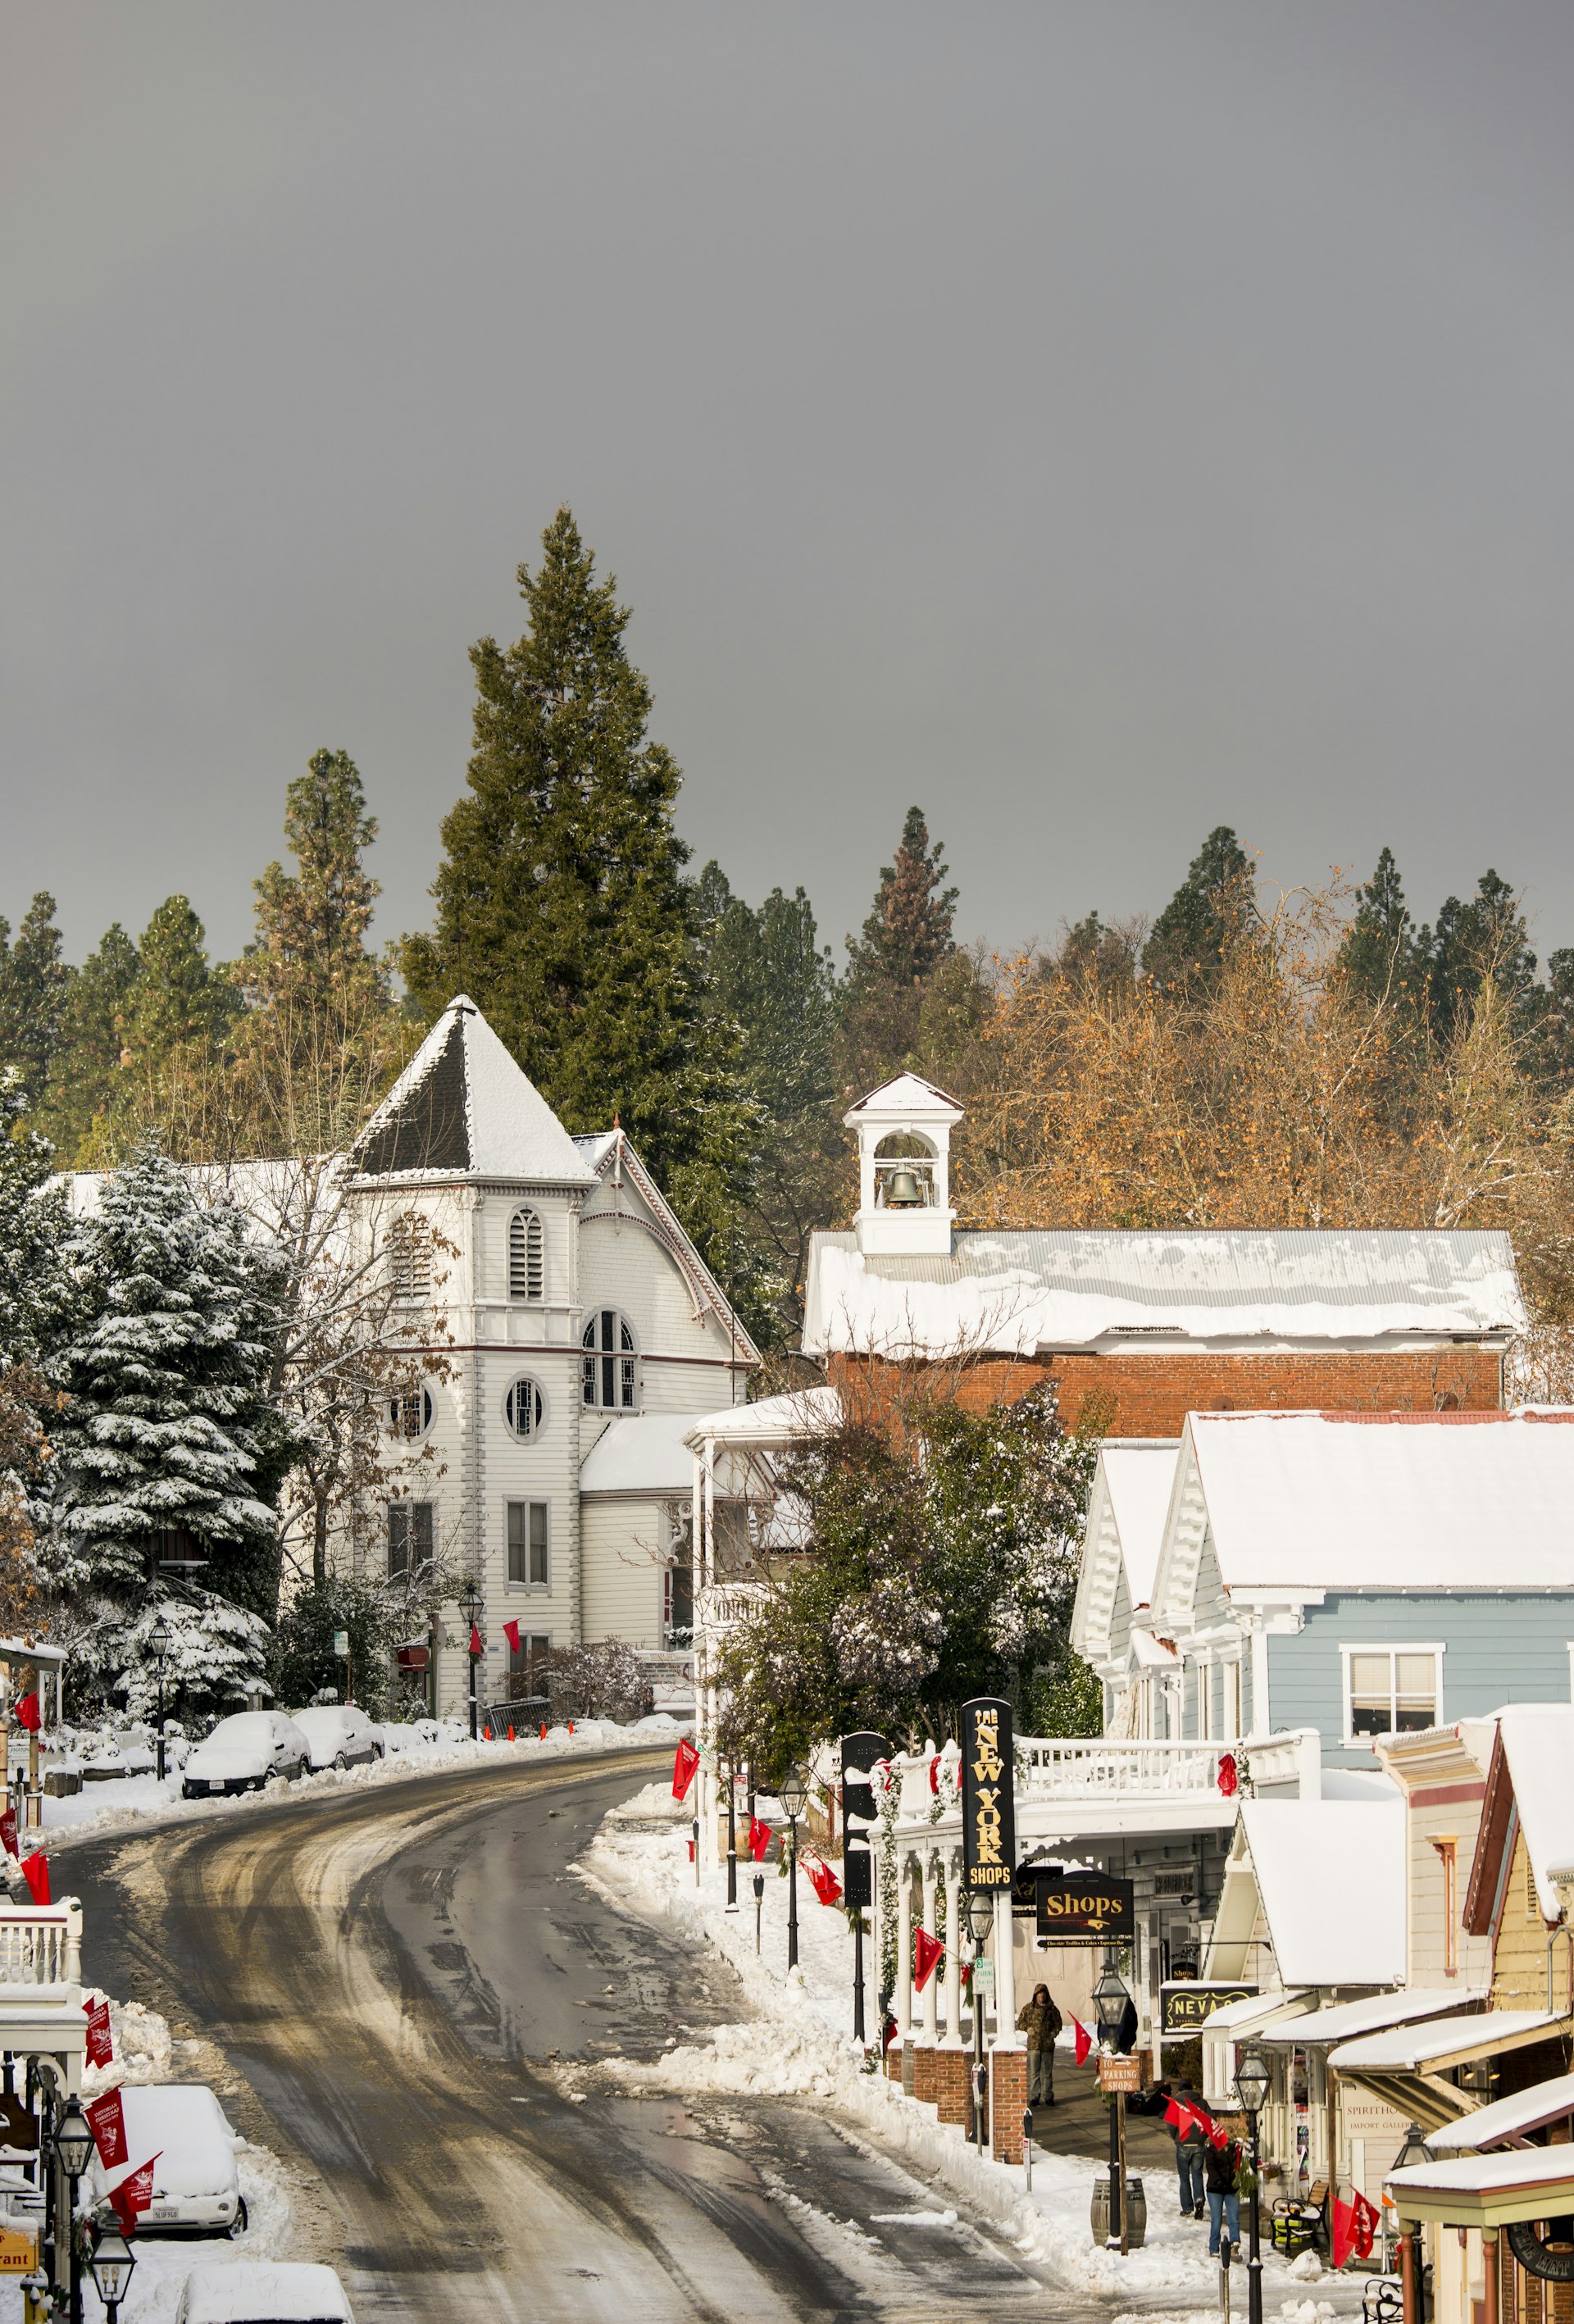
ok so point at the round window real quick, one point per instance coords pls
(524, 1408)
(409, 1415)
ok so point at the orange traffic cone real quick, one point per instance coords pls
(543, 1730)
(510, 1735)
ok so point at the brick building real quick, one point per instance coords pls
(1151, 1323)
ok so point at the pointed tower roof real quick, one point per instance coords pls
(908, 1096)
(463, 1107)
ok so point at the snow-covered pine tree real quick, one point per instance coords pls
(168, 1424)
(34, 1282)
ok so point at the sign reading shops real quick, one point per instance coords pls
(1080, 1908)
(989, 1818)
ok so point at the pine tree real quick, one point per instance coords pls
(33, 982)
(1209, 913)
(86, 1077)
(1379, 955)
(35, 1283)
(178, 1002)
(909, 933)
(167, 1425)
(563, 907)
(312, 924)
(905, 954)
(1487, 936)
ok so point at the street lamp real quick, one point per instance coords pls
(1253, 2081)
(159, 1647)
(110, 2267)
(1411, 2155)
(470, 1604)
(794, 1796)
(1110, 2002)
(731, 1837)
(759, 1884)
(980, 1920)
(73, 2146)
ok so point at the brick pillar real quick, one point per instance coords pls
(953, 2067)
(1007, 2102)
(894, 2060)
(924, 2054)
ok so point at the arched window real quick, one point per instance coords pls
(409, 1414)
(610, 1384)
(409, 1245)
(527, 1261)
(524, 1408)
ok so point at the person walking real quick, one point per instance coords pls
(1041, 2021)
(1220, 2175)
(1191, 2146)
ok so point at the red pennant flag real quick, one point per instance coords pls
(691, 1851)
(934, 1774)
(476, 1647)
(1344, 2233)
(1365, 2219)
(926, 1952)
(107, 2117)
(133, 2195)
(35, 1871)
(26, 1712)
(1084, 2042)
(510, 1631)
(8, 1831)
(685, 1767)
(823, 1881)
(1228, 1777)
(758, 1839)
(100, 2048)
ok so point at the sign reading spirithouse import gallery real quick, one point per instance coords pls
(988, 1819)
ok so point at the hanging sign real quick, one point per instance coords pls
(1188, 2005)
(18, 2251)
(1081, 1907)
(860, 1753)
(989, 1822)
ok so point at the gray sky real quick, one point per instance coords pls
(1094, 422)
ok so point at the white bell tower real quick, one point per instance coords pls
(904, 1168)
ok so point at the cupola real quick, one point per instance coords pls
(904, 1168)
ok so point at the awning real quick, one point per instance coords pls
(1510, 2120)
(1237, 2018)
(1378, 2010)
(1487, 2190)
(1406, 2066)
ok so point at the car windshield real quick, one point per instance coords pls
(245, 1726)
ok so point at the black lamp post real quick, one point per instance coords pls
(73, 2146)
(758, 1885)
(1110, 1999)
(980, 1920)
(1411, 2155)
(159, 1647)
(794, 1796)
(110, 2266)
(1253, 2081)
(732, 1837)
(470, 1604)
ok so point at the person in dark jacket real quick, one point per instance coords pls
(1191, 2146)
(1041, 2021)
(1221, 2166)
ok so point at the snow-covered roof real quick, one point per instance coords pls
(1370, 1500)
(644, 1452)
(283, 2291)
(1507, 2118)
(1021, 1290)
(908, 1097)
(770, 1423)
(1429, 2048)
(1256, 2009)
(1309, 1859)
(1348, 2019)
(1125, 1531)
(1538, 1743)
(1531, 2166)
(463, 1107)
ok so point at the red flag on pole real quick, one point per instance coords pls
(35, 1871)
(1355, 2226)
(26, 1712)
(476, 1647)
(823, 1881)
(100, 2048)
(8, 1831)
(107, 2117)
(510, 1631)
(1228, 1777)
(134, 2194)
(1084, 2042)
(684, 1767)
(758, 1839)
(926, 1952)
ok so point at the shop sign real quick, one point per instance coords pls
(1188, 2005)
(1078, 1908)
(1119, 2073)
(18, 2250)
(989, 1822)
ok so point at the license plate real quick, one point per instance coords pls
(216, 1787)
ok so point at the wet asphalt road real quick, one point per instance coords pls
(391, 1972)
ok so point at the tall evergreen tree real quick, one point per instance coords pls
(1485, 936)
(178, 1002)
(1379, 955)
(33, 982)
(35, 1283)
(312, 924)
(1211, 912)
(563, 907)
(904, 964)
(86, 1074)
(909, 933)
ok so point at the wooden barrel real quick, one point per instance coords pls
(1135, 2211)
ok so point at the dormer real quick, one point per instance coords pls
(904, 1168)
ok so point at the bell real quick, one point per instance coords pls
(904, 1193)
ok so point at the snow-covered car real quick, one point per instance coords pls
(255, 2291)
(243, 1752)
(196, 2188)
(339, 1735)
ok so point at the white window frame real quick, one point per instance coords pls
(534, 1434)
(600, 1357)
(395, 1409)
(1392, 1648)
(411, 1565)
(527, 1279)
(534, 1501)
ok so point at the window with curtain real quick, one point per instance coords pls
(1392, 1690)
(527, 1560)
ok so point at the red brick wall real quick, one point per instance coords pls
(1151, 1393)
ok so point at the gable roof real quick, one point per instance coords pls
(1126, 1509)
(1529, 1789)
(1018, 1291)
(1309, 1858)
(463, 1107)
(905, 1094)
(611, 1161)
(1370, 1500)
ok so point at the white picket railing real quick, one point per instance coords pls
(1103, 1767)
(39, 1944)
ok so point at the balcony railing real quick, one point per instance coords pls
(40, 1945)
(1101, 1769)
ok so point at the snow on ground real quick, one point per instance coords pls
(100, 1808)
(639, 1860)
